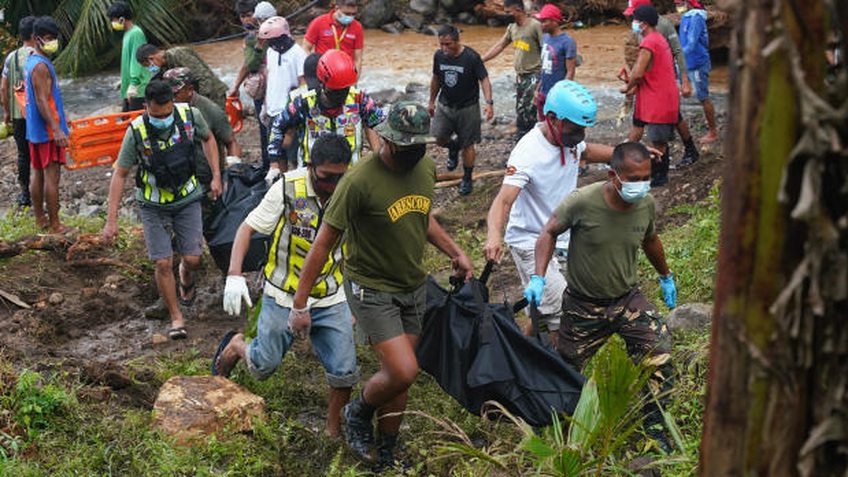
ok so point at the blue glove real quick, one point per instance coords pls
(669, 290)
(534, 289)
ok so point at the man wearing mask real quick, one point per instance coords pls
(134, 76)
(337, 30)
(382, 207)
(337, 107)
(158, 61)
(541, 171)
(609, 221)
(46, 128)
(161, 144)
(303, 195)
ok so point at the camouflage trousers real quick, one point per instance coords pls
(525, 111)
(587, 324)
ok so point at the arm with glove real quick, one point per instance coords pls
(656, 255)
(235, 290)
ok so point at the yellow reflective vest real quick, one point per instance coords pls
(347, 124)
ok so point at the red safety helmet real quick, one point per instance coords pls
(336, 70)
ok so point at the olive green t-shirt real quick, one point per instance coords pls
(605, 243)
(132, 150)
(527, 44)
(219, 124)
(385, 215)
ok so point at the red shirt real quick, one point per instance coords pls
(325, 34)
(657, 99)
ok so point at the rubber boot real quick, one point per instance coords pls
(466, 185)
(359, 430)
(453, 155)
(659, 171)
(690, 154)
(386, 444)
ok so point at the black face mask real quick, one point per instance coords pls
(281, 44)
(334, 98)
(510, 19)
(571, 139)
(409, 156)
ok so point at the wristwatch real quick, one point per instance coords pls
(490, 102)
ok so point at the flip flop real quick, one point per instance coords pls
(177, 333)
(224, 342)
(185, 290)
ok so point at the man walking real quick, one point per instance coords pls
(525, 34)
(47, 130)
(161, 144)
(11, 87)
(559, 54)
(542, 170)
(609, 221)
(694, 38)
(134, 76)
(457, 71)
(337, 30)
(303, 194)
(382, 206)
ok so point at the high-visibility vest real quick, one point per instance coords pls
(347, 124)
(293, 237)
(181, 142)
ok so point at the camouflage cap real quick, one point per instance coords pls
(408, 123)
(177, 78)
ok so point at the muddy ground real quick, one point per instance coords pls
(98, 312)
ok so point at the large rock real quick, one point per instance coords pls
(190, 407)
(424, 7)
(689, 317)
(377, 13)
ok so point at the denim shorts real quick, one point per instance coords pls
(700, 79)
(331, 335)
(184, 224)
(381, 316)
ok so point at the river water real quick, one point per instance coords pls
(395, 61)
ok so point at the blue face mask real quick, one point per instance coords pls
(153, 69)
(345, 19)
(162, 123)
(633, 192)
(636, 27)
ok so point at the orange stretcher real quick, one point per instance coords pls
(96, 141)
(235, 113)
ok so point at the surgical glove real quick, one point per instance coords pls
(300, 321)
(669, 290)
(534, 289)
(234, 292)
(132, 91)
(271, 176)
(232, 160)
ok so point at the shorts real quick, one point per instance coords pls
(700, 79)
(331, 335)
(381, 316)
(465, 122)
(43, 153)
(551, 304)
(640, 124)
(184, 224)
(659, 133)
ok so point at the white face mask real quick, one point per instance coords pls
(636, 27)
(633, 192)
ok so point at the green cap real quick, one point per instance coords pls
(408, 123)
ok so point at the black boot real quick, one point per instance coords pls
(690, 154)
(659, 171)
(359, 430)
(385, 453)
(453, 155)
(467, 183)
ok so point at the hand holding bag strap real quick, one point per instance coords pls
(535, 318)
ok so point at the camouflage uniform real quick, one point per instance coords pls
(208, 84)
(525, 110)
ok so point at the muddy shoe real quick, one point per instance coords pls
(23, 200)
(358, 431)
(465, 186)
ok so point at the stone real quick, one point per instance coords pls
(424, 7)
(158, 339)
(56, 298)
(689, 317)
(385, 96)
(191, 408)
(377, 13)
(412, 21)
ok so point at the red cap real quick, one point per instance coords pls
(549, 12)
(633, 5)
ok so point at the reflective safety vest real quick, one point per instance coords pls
(347, 124)
(293, 237)
(179, 147)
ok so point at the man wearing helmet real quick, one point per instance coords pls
(541, 171)
(335, 108)
(337, 30)
(382, 206)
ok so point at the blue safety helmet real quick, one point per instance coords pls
(570, 100)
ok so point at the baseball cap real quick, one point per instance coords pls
(264, 10)
(177, 78)
(408, 124)
(695, 3)
(549, 12)
(633, 5)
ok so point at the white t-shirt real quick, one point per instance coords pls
(536, 167)
(282, 72)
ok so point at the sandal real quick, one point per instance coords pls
(185, 290)
(177, 333)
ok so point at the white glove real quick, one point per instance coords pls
(234, 292)
(232, 160)
(272, 175)
(132, 91)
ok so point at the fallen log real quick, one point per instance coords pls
(478, 175)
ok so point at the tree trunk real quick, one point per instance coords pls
(777, 398)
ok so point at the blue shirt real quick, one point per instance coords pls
(37, 131)
(694, 39)
(555, 50)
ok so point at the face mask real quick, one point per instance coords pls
(633, 192)
(50, 47)
(636, 27)
(153, 69)
(510, 19)
(681, 9)
(409, 156)
(248, 26)
(118, 26)
(571, 139)
(281, 44)
(162, 123)
(325, 186)
(334, 98)
(345, 19)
